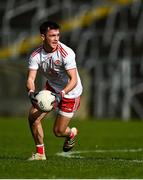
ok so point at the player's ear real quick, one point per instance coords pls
(42, 37)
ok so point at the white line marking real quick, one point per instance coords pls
(77, 154)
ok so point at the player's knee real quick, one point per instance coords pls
(58, 132)
(33, 121)
(33, 117)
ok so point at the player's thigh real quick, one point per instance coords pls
(36, 115)
(61, 123)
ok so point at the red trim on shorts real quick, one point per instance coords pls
(69, 105)
(66, 105)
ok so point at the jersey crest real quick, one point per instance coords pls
(58, 62)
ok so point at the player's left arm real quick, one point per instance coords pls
(72, 80)
(71, 84)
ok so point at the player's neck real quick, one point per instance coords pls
(49, 49)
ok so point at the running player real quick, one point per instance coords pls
(56, 62)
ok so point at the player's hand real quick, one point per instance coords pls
(59, 96)
(33, 98)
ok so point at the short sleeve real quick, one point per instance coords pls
(33, 63)
(69, 61)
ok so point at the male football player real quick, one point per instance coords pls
(56, 62)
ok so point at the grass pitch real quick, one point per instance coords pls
(105, 149)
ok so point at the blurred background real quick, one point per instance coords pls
(107, 36)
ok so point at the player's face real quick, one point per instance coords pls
(51, 38)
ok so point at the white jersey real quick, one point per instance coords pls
(54, 67)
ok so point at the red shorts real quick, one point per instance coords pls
(66, 105)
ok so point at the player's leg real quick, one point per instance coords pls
(35, 117)
(62, 129)
(67, 108)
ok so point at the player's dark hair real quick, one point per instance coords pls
(48, 24)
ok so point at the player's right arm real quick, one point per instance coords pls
(30, 85)
(33, 68)
(31, 76)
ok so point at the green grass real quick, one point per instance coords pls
(114, 149)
